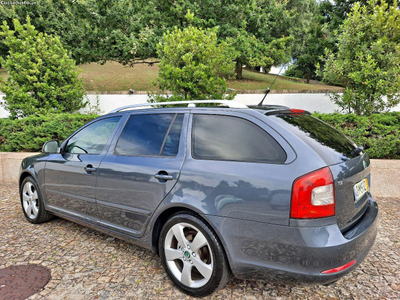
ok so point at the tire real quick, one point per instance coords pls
(32, 202)
(199, 267)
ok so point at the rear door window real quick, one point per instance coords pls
(150, 135)
(217, 137)
(329, 143)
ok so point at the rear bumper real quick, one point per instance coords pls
(263, 251)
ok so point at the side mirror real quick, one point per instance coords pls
(51, 147)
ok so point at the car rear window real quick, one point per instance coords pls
(216, 137)
(329, 143)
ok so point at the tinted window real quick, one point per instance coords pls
(330, 144)
(231, 138)
(172, 142)
(93, 138)
(144, 135)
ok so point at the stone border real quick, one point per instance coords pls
(385, 174)
(9, 165)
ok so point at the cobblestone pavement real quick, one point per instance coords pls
(86, 264)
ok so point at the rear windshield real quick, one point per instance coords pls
(330, 144)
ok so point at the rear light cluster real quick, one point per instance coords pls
(313, 195)
(295, 111)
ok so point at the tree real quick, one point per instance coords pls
(335, 12)
(313, 35)
(191, 62)
(7, 13)
(253, 27)
(129, 31)
(316, 39)
(42, 77)
(61, 18)
(93, 30)
(367, 62)
(302, 18)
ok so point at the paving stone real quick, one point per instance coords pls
(86, 264)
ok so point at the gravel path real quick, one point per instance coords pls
(86, 264)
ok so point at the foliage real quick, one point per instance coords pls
(41, 76)
(59, 18)
(317, 38)
(30, 133)
(119, 31)
(250, 25)
(336, 12)
(129, 31)
(317, 34)
(191, 62)
(367, 62)
(379, 134)
(92, 30)
(302, 16)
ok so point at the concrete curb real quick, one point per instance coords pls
(9, 165)
(385, 174)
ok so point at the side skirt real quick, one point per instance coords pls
(125, 237)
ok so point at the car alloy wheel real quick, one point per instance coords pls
(192, 255)
(189, 255)
(30, 200)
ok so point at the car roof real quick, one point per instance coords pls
(210, 105)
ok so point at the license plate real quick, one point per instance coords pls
(360, 188)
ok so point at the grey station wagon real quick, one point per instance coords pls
(261, 192)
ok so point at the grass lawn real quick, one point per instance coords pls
(114, 77)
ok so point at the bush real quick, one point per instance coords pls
(42, 78)
(367, 62)
(379, 134)
(30, 133)
(191, 63)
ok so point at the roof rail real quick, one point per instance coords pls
(229, 103)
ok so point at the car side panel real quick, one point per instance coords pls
(68, 186)
(35, 166)
(263, 251)
(127, 193)
(253, 191)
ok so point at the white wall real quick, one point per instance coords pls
(311, 102)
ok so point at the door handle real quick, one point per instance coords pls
(163, 177)
(89, 169)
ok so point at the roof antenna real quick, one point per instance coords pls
(269, 89)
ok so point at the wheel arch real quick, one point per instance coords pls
(169, 211)
(24, 174)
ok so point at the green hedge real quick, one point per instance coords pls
(379, 134)
(30, 133)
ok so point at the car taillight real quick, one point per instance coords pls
(313, 195)
(295, 111)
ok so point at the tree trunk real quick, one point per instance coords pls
(308, 77)
(238, 70)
